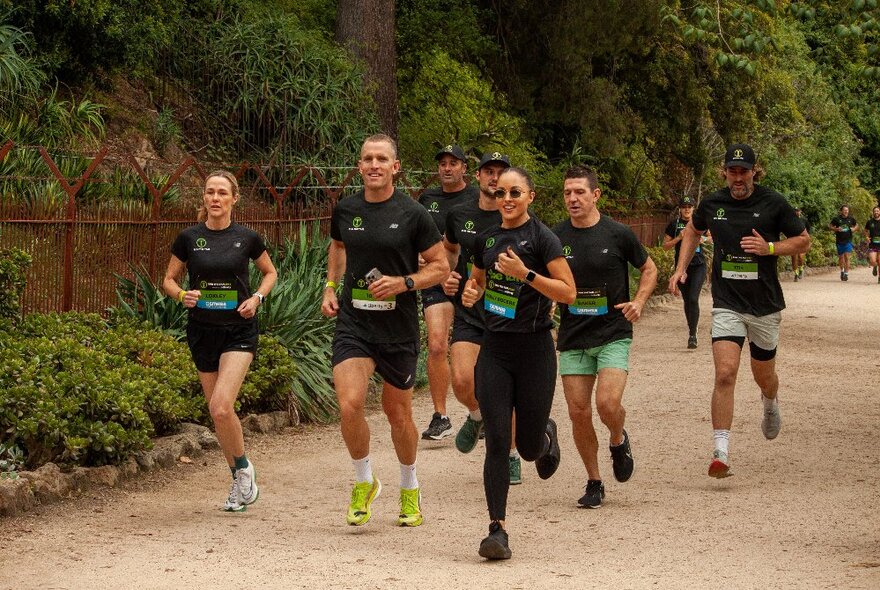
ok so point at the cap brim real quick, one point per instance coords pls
(739, 164)
(502, 162)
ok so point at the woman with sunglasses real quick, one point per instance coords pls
(519, 269)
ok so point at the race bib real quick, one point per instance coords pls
(875, 240)
(739, 268)
(363, 299)
(501, 298)
(589, 302)
(217, 296)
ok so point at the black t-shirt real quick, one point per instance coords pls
(388, 236)
(439, 203)
(464, 223)
(512, 305)
(746, 283)
(873, 227)
(675, 227)
(845, 224)
(217, 262)
(599, 257)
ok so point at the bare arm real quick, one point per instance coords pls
(669, 243)
(248, 307)
(689, 241)
(176, 269)
(632, 310)
(452, 280)
(335, 268)
(755, 244)
(559, 286)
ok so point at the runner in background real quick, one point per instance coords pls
(436, 305)
(843, 226)
(872, 232)
(696, 272)
(798, 261)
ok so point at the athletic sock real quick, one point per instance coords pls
(408, 479)
(233, 470)
(476, 415)
(241, 462)
(769, 404)
(514, 454)
(363, 471)
(722, 440)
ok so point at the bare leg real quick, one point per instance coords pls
(351, 379)
(438, 319)
(221, 390)
(578, 392)
(726, 355)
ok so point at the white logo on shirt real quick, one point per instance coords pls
(605, 251)
(524, 242)
(238, 244)
(393, 226)
(757, 214)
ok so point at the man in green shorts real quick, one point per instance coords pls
(595, 332)
(746, 220)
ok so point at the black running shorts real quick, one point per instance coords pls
(465, 332)
(207, 343)
(434, 295)
(395, 362)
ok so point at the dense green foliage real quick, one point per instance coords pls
(13, 278)
(74, 390)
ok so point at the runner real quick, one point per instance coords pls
(221, 328)
(463, 224)
(520, 268)
(746, 220)
(437, 307)
(872, 232)
(377, 237)
(595, 332)
(843, 226)
(696, 272)
(798, 261)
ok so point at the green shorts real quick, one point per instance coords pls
(589, 361)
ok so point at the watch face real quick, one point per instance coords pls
(409, 282)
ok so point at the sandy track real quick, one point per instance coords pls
(802, 511)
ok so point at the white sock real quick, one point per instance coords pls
(363, 471)
(514, 453)
(477, 415)
(769, 404)
(408, 479)
(722, 440)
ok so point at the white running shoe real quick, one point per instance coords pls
(772, 422)
(248, 491)
(233, 502)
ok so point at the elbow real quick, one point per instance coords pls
(570, 294)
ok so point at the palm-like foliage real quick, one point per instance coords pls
(143, 300)
(292, 313)
(18, 74)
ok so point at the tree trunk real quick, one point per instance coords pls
(366, 28)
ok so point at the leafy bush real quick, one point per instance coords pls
(13, 270)
(269, 382)
(292, 314)
(665, 260)
(145, 301)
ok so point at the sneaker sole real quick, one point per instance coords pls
(493, 550)
(516, 482)
(368, 503)
(402, 523)
(719, 470)
(441, 436)
(241, 508)
(588, 507)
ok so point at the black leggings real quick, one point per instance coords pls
(514, 371)
(690, 292)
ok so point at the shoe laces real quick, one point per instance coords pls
(245, 482)
(359, 495)
(233, 493)
(409, 501)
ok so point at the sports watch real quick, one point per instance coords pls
(530, 276)
(410, 284)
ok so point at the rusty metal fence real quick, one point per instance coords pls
(85, 218)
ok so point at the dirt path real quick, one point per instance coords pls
(802, 511)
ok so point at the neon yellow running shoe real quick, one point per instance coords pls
(362, 496)
(410, 507)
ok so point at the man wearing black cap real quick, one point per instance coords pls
(843, 226)
(437, 307)
(746, 220)
(696, 272)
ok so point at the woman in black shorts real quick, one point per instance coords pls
(222, 327)
(518, 269)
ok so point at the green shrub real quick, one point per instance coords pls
(269, 382)
(664, 259)
(13, 271)
(143, 300)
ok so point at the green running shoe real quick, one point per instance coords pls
(468, 435)
(514, 469)
(362, 496)
(410, 507)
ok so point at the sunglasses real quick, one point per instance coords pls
(514, 193)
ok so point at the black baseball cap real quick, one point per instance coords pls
(740, 155)
(686, 201)
(454, 150)
(496, 157)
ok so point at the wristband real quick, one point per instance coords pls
(180, 296)
(772, 249)
(330, 284)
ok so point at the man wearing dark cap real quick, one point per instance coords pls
(437, 307)
(746, 220)
(696, 272)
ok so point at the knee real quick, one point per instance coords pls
(725, 378)
(350, 409)
(221, 412)
(398, 415)
(438, 346)
(579, 412)
(607, 410)
(462, 382)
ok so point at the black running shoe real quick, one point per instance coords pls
(846, 276)
(495, 545)
(439, 428)
(547, 463)
(622, 459)
(874, 271)
(595, 491)
(692, 342)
